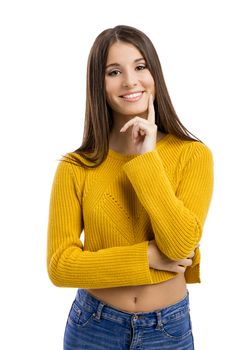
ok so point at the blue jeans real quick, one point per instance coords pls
(95, 325)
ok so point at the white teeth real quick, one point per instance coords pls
(133, 95)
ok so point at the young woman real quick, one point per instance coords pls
(140, 187)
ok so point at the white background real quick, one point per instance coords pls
(44, 47)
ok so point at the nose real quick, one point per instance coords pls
(129, 80)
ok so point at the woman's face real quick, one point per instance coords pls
(128, 82)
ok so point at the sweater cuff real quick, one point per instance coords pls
(143, 160)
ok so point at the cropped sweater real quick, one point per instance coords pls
(120, 205)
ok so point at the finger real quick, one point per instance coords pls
(176, 268)
(135, 131)
(191, 255)
(151, 110)
(186, 262)
(140, 127)
(180, 269)
(142, 132)
(129, 123)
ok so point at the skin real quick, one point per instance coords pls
(135, 132)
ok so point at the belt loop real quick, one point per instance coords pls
(159, 320)
(98, 312)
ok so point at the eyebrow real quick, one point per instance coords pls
(118, 65)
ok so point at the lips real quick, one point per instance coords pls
(133, 96)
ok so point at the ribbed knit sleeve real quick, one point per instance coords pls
(177, 216)
(68, 264)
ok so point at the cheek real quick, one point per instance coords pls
(151, 85)
(151, 81)
(109, 99)
(108, 88)
(108, 94)
(111, 90)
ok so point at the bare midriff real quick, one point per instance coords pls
(143, 298)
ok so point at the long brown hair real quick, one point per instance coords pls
(98, 117)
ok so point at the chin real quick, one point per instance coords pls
(133, 109)
(136, 112)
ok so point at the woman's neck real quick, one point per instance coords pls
(122, 142)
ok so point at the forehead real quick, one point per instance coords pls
(120, 52)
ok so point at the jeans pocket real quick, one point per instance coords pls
(178, 325)
(80, 316)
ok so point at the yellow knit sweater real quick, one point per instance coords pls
(128, 200)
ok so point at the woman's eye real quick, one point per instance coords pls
(140, 67)
(114, 72)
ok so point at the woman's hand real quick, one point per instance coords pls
(159, 261)
(144, 131)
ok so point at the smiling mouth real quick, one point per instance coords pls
(133, 96)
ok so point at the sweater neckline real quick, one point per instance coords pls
(123, 156)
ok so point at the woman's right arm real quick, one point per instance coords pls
(68, 264)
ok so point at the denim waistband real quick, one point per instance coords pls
(89, 302)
